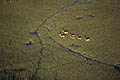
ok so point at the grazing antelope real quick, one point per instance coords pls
(72, 36)
(62, 34)
(79, 37)
(65, 31)
(87, 39)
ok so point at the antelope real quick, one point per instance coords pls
(72, 36)
(62, 35)
(87, 39)
(65, 31)
(79, 37)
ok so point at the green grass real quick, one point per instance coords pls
(20, 17)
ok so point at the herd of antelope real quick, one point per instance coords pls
(65, 32)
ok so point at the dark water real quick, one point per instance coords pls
(12, 70)
(29, 44)
(36, 34)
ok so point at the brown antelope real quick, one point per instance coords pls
(62, 35)
(65, 31)
(72, 36)
(87, 39)
(79, 37)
